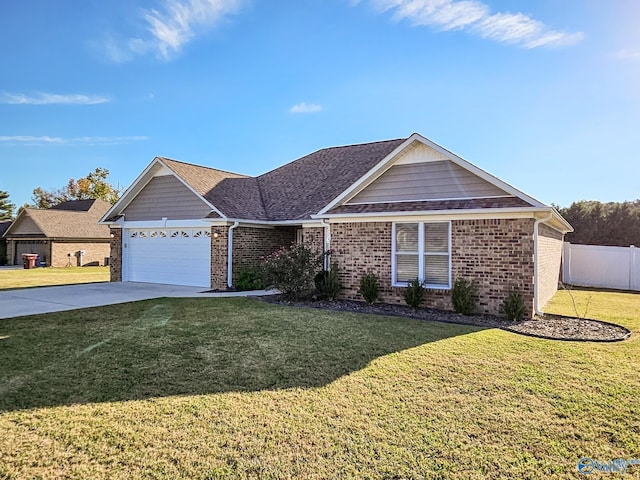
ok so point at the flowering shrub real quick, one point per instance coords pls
(292, 270)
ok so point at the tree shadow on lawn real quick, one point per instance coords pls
(168, 347)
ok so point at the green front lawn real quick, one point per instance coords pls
(42, 277)
(217, 388)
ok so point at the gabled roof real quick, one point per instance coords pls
(70, 221)
(386, 162)
(318, 185)
(199, 179)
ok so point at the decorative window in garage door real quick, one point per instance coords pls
(169, 233)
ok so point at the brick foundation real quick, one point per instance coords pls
(498, 254)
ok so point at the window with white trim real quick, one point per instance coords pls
(422, 250)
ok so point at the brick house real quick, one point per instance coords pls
(402, 209)
(67, 234)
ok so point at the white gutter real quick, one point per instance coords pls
(327, 244)
(230, 254)
(536, 226)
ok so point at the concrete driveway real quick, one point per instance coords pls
(31, 301)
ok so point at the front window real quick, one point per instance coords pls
(422, 250)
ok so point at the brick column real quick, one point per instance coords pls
(115, 257)
(219, 248)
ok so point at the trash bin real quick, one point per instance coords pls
(29, 260)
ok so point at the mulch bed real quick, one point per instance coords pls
(552, 327)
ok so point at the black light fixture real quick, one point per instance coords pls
(216, 233)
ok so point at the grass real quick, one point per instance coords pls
(40, 277)
(235, 388)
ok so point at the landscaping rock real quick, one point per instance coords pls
(553, 327)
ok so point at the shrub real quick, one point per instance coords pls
(249, 279)
(513, 306)
(292, 270)
(369, 287)
(464, 296)
(414, 294)
(327, 282)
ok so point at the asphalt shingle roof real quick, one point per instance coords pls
(432, 205)
(303, 187)
(71, 221)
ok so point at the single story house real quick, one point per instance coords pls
(67, 234)
(402, 209)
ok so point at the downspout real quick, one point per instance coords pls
(536, 227)
(230, 254)
(327, 243)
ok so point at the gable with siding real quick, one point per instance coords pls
(166, 197)
(422, 174)
(26, 226)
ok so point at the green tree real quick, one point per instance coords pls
(6, 207)
(94, 185)
(597, 223)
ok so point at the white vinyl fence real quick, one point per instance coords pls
(598, 266)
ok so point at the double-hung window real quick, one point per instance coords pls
(422, 250)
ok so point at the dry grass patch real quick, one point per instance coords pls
(234, 388)
(41, 277)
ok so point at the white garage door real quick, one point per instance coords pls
(172, 256)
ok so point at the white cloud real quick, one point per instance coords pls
(170, 27)
(475, 16)
(304, 107)
(41, 98)
(628, 54)
(29, 140)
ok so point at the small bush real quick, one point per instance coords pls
(249, 280)
(292, 270)
(464, 296)
(414, 294)
(327, 282)
(369, 287)
(513, 306)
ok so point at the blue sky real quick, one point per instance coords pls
(543, 94)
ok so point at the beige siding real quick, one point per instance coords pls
(426, 181)
(166, 196)
(550, 244)
(418, 153)
(26, 226)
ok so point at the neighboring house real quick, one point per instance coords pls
(4, 225)
(401, 208)
(67, 234)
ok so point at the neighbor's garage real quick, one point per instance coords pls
(172, 256)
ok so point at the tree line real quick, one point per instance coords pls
(93, 186)
(598, 223)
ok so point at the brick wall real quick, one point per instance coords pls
(115, 259)
(313, 237)
(359, 248)
(550, 243)
(219, 247)
(95, 253)
(497, 253)
(251, 244)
